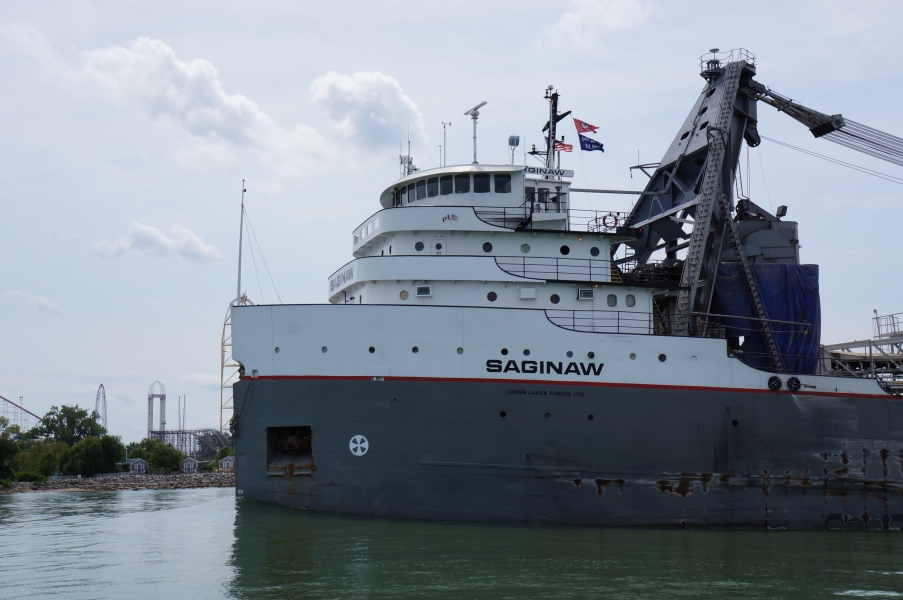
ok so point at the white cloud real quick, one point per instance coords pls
(587, 20)
(368, 110)
(144, 239)
(39, 302)
(205, 380)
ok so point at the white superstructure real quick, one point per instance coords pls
(485, 235)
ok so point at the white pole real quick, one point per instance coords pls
(240, 231)
(474, 116)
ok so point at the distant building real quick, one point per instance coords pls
(227, 464)
(136, 466)
(190, 465)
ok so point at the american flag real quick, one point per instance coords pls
(562, 147)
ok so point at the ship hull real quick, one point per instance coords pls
(441, 449)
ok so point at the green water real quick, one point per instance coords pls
(206, 544)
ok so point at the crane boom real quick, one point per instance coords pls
(835, 128)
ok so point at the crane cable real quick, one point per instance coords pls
(879, 175)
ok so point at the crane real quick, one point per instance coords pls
(693, 186)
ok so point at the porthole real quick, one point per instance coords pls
(487, 247)
(502, 414)
(662, 358)
(390, 248)
(692, 359)
(323, 349)
(735, 422)
(492, 296)
(526, 352)
(403, 294)
(547, 415)
(438, 246)
(418, 246)
(632, 356)
(371, 349)
(704, 125)
(704, 108)
(710, 92)
(565, 250)
(774, 383)
(276, 350)
(590, 354)
(570, 354)
(415, 349)
(525, 248)
(594, 251)
(684, 136)
(630, 300)
(460, 350)
(589, 417)
(554, 299)
(612, 300)
(504, 352)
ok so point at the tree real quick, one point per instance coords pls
(158, 454)
(223, 453)
(93, 455)
(8, 449)
(69, 424)
(42, 456)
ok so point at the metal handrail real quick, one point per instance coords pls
(556, 269)
(578, 219)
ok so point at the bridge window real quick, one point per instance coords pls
(462, 184)
(445, 185)
(481, 183)
(403, 196)
(421, 189)
(432, 186)
(502, 184)
(411, 193)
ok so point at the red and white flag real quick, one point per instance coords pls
(562, 147)
(584, 127)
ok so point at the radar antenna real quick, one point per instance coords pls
(473, 113)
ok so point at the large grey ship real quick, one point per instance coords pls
(493, 354)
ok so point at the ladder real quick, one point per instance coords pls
(752, 288)
(689, 280)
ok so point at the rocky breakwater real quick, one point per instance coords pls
(175, 481)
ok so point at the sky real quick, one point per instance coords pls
(128, 127)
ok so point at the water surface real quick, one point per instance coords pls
(206, 544)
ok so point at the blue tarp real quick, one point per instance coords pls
(789, 293)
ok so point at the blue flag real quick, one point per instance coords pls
(590, 144)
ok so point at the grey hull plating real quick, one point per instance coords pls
(442, 450)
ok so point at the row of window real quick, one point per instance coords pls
(426, 291)
(453, 184)
(487, 247)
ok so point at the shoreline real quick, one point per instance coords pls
(126, 481)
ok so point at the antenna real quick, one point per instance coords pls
(473, 113)
(445, 144)
(241, 229)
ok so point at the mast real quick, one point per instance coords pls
(241, 227)
(553, 112)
